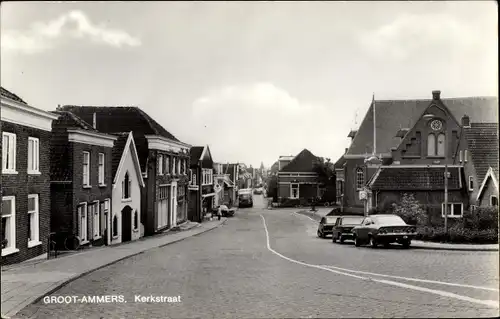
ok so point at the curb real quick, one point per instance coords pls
(66, 282)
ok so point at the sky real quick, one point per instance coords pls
(253, 80)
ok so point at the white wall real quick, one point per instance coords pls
(135, 202)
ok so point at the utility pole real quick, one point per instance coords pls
(446, 199)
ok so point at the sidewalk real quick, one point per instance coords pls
(26, 283)
(417, 244)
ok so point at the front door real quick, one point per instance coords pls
(173, 205)
(126, 224)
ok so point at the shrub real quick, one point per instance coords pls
(410, 210)
(458, 234)
(483, 218)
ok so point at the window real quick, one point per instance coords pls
(103, 211)
(166, 163)
(441, 145)
(194, 179)
(136, 220)
(173, 165)
(126, 186)
(178, 168)
(431, 145)
(101, 169)
(8, 225)
(8, 153)
(86, 169)
(33, 221)
(115, 226)
(493, 200)
(460, 156)
(160, 164)
(207, 177)
(82, 213)
(97, 220)
(471, 183)
(294, 190)
(466, 155)
(454, 209)
(33, 155)
(162, 206)
(360, 178)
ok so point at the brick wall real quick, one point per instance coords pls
(22, 184)
(489, 190)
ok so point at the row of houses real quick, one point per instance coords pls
(405, 146)
(103, 175)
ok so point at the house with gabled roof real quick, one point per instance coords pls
(231, 176)
(163, 159)
(297, 177)
(80, 181)
(409, 151)
(25, 157)
(126, 194)
(201, 189)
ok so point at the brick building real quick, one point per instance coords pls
(414, 140)
(25, 178)
(163, 160)
(81, 181)
(202, 190)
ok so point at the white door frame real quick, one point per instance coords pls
(173, 201)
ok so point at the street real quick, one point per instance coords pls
(270, 264)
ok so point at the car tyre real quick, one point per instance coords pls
(357, 243)
(373, 242)
(320, 235)
(342, 239)
(406, 244)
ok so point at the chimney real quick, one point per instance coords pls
(58, 107)
(465, 121)
(436, 95)
(94, 121)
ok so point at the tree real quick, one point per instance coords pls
(272, 188)
(326, 177)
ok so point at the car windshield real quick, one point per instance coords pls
(245, 196)
(389, 220)
(352, 220)
(331, 219)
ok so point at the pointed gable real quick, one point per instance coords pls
(303, 162)
(125, 147)
(195, 153)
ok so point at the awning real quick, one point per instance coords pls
(208, 195)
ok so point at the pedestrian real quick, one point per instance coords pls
(219, 213)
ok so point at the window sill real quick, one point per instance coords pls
(34, 243)
(7, 172)
(84, 242)
(9, 251)
(115, 237)
(87, 186)
(34, 173)
(126, 200)
(97, 237)
(452, 216)
(103, 185)
(136, 230)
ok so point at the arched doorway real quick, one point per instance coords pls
(126, 224)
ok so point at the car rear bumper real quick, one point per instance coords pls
(347, 235)
(395, 237)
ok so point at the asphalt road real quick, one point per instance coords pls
(270, 264)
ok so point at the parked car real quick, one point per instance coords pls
(384, 229)
(245, 198)
(334, 212)
(257, 191)
(325, 226)
(342, 228)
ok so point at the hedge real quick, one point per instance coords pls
(458, 234)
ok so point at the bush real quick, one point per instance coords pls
(411, 211)
(458, 234)
(483, 218)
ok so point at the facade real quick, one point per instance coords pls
(201, 190)
(126, 196)
(223, 186)
(413, 146)
(339, 167)
(163, 160)
(25, 179)
(231, 176)
(80, 181)
(297, 178)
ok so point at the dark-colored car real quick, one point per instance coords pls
(384, 229)
(245, 200)
(325, 226)
(342, 228)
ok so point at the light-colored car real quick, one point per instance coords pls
(384, 229)
(325, 225)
